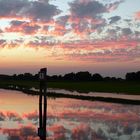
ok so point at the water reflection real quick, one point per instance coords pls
(96, 94)
(42, 115)
(68, 119)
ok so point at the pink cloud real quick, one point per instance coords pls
(137, 15)
(23, 27)
(22, 133)
(82, 132)
(31, 116)
(13, 116)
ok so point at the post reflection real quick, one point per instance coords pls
(42, 105)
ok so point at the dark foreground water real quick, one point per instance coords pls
(68, 119)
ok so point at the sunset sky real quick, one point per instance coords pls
(70, 35)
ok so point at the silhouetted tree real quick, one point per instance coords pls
(20, 77)
(79, 76)
(54, 78)
(97, 77)
(70, 77)
(138, 75)
(5, 77)
(133, 76)
(120, 79)
(28, 76)
(36, 76)
(113, 79)
(107, 79)
(14, 77)
(83, 76)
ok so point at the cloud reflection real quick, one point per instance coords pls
(70, 119)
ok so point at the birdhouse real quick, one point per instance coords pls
(42, 74)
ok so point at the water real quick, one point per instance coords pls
(94, 94)
(68, 119)
(97, 94)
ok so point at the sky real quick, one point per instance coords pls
(99, 36)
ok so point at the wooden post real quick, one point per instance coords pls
(42, 110)
(45, 112)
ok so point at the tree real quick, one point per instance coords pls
(69, 76)
(131, 76)
(97, 77)
(83, 76)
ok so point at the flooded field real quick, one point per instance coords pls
(97, 94)
(67, 119)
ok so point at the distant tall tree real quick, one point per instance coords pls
(83, 76)
(69, 77)
(97, 77)
(54, 78)
(14, 77)
(131, 76)
(28, 76)
(138, 75)
(20, 77)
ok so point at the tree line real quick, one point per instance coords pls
(79, 76)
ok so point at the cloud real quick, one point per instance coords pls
(60, 27)
(86, 17)
(137, 34)
(2, 43)
(87, 9)
(63, 20)
(2, 116)
(12, 8)
(82, 132)
(91, 9)
(32, 116)
(41, 11)
(114, 19)
(117, 55)
(37, 17)
(128, 130)
(17, 23)
(13, 116)
(126, 31)
(28, 130)
(137, 15)
(103, 51)
(113, 6)
(34, 10)
(11, 43)
(24, 132)
(57, 128)
(57, 132)
(81, 28)
(112, 33)
(23, 27)
(43, 41)
(13, 138)
(1, 31)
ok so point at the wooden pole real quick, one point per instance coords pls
(42, 110)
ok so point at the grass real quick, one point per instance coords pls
(112, 87)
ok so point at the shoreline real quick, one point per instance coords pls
(81, 97)
(124, 87)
